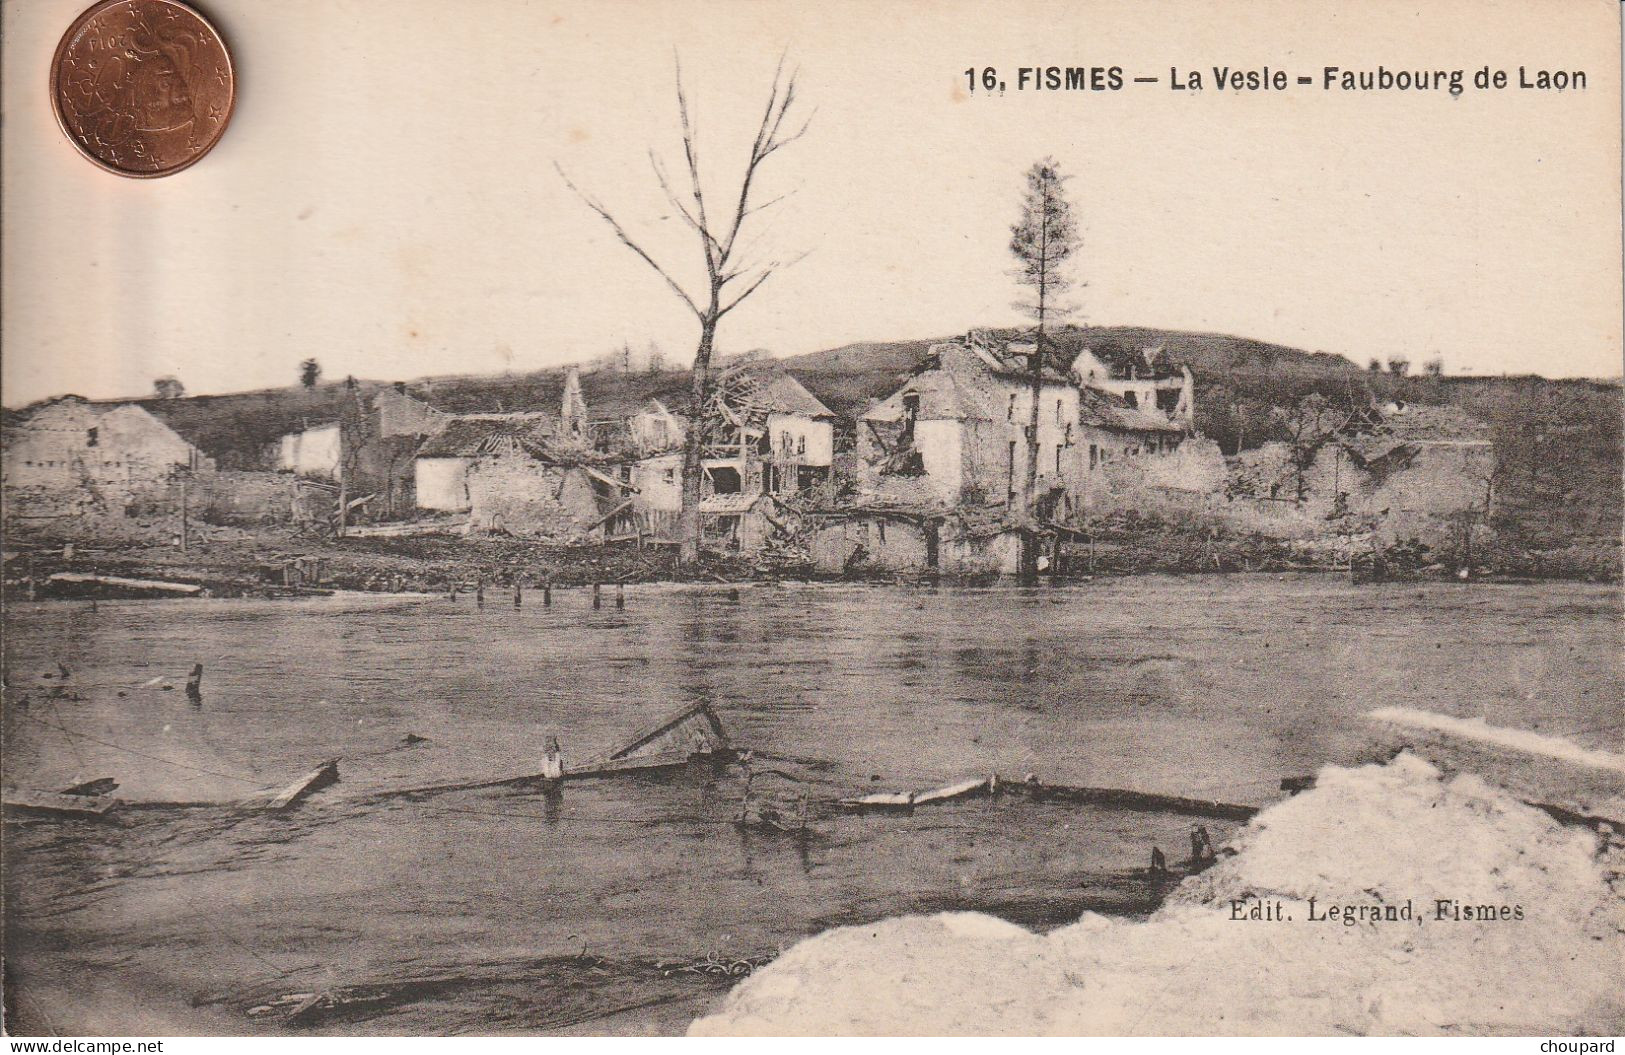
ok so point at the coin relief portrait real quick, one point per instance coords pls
(142, 87)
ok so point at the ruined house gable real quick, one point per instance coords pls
(783, 394)
(477, 435)
(401, 414)
(71, 430)
(1106, 410)
(957, 383)
(1111, 362)
(655, 429)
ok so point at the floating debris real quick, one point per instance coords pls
(99, 786)
(56, 803)
(907, 800)
(693, 732)
(713, 966)
(322, 776)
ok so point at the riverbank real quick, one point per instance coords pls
(232, 561)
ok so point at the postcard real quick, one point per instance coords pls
(859, 519)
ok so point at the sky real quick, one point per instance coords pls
(386, 201)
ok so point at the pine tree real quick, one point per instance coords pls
(1042, 241)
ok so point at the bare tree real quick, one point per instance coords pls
(1042, 241)
(1307, 425)
(355, 433)
(729, 278)
(168, 388)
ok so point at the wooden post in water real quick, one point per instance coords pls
(479, 593)
(547, 595)
(517, 593)
(553, 761)
(620, 595)
(194, 684)
(596, 600)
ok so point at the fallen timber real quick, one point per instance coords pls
(691, 735)
(94, 798)
(89, 799)
(55, 803)
(1118, 798)
(907, 800)
(322, 776)
(693, 731)
(1142, 801)
(79, 583)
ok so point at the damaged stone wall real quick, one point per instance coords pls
(525, 497)
(1190, 476)
(992, 553)
(929, 472)
(1415, 489)
(895, 544)
(243, 497)
(73, 456)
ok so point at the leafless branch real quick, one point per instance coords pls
(754, 209)
(714, 253)
(626, 239)
(672, 198)
(768, 140)
(766, 272)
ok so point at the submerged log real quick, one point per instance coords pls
(885, 800)
(1113, 797)
(1146, 801)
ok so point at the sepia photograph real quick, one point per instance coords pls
(739, 518)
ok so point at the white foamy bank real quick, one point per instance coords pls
(1499, 736)
(1383, 836)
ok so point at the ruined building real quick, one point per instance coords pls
(1419, 469)
(516, 473)
(371, 443)
(72, 455)
(769, 447)
(1142, 379)
(955, 434)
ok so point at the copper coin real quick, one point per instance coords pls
(142, 87)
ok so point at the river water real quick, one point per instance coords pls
(506, 909)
